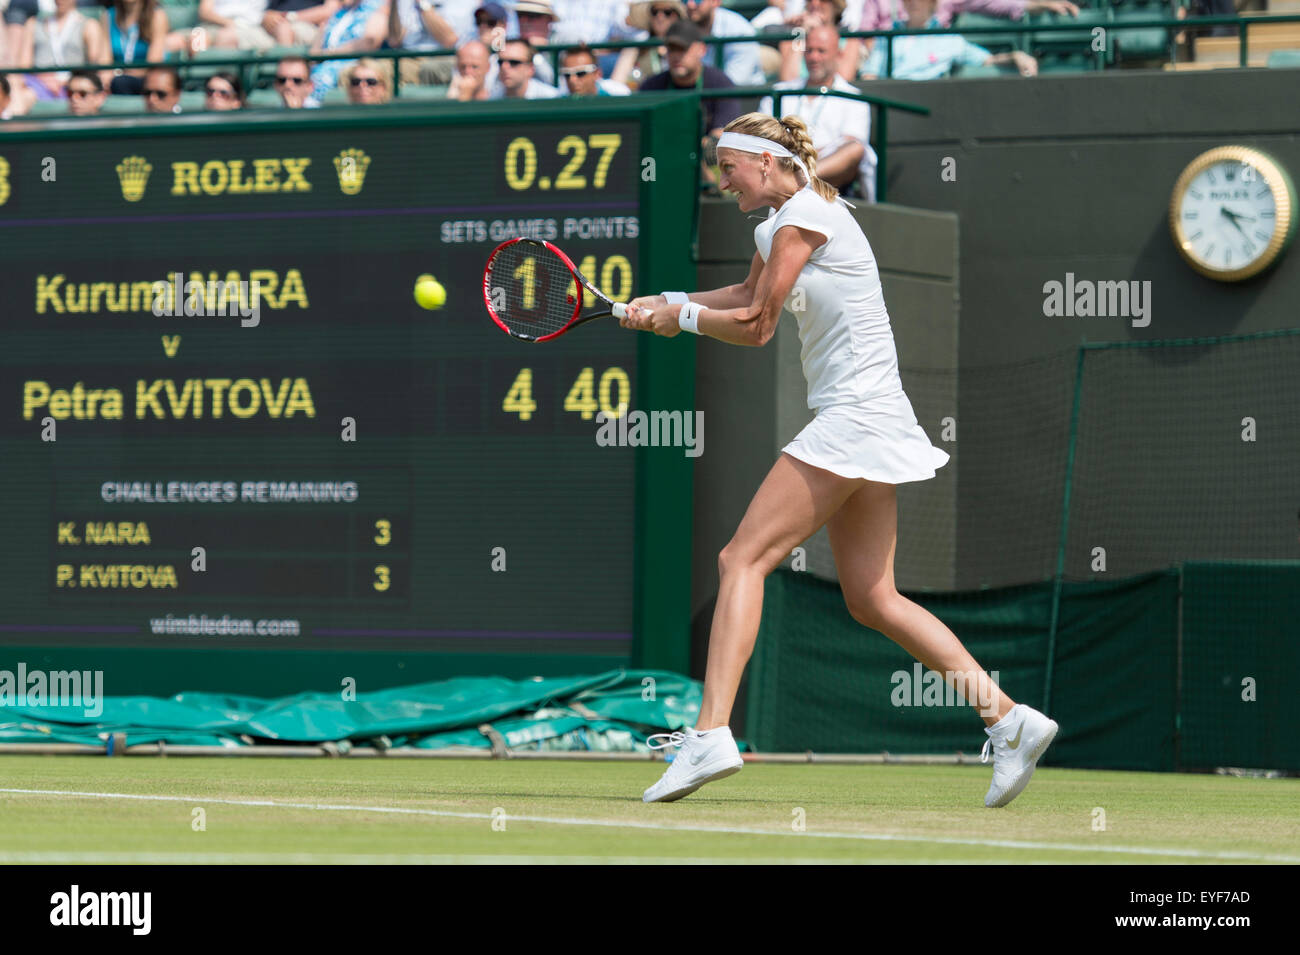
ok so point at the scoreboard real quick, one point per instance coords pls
(229, 424)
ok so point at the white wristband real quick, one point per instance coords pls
(676, 298)
(689, 317)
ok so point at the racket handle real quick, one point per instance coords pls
(618, 310)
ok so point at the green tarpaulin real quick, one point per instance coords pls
(612, 711)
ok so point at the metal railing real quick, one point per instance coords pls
(1170, 25)
(554, 51)
(252, 61)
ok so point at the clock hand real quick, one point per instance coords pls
(1231, 217)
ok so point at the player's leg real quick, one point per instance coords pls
(863, 536)
(793, 502)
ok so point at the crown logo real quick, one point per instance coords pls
(133, 174)
(351, 166)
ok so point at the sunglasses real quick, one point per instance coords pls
(663, 12)
(578, 70)
(219, 91)
(507, 62)
(295, 80)
(158, 94)
(485, 22)
(363, 81)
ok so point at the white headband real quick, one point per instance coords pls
(757, 144)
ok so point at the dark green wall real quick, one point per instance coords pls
(1070, 174)
(1074, 174)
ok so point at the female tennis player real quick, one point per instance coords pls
(840, 471)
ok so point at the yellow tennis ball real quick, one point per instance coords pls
(429, 292)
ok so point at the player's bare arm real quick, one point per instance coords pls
(754, 323)
(729, 296)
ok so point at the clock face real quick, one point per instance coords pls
(1231, 213)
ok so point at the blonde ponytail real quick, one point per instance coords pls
(792, 133)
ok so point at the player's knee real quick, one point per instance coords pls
(872, 608)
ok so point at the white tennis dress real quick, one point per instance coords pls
(864, 425)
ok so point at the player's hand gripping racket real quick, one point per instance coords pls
(535, 292)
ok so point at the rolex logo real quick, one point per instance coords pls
(133, 174)
(351, 166)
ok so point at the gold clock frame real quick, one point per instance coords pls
(1273, 174)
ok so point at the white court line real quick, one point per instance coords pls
(680, 827)
(312, 858)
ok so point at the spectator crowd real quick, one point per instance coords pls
(84, 51)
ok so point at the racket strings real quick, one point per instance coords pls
(531, 289)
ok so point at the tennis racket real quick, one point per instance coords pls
(534, 292)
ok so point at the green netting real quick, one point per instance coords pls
(608, 711)
(1240, 623)
(1162, 473)
(821, 681)
(1113, 678)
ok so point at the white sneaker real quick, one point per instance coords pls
(701, 759)
(1017, 740)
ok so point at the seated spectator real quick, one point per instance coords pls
(516, 79)
(823, 13)
(17, 19)
(651, 18)
(134, 31)
(740, 61)
(425, 25)
(687, 70)
(357, 26)
(369, 81)
(929, 57)
(776, 15)
(253, 25)
(470, 81)
(536, 20)
(840, 128)
(16, 16)
(162, 90)
(581, 76)
(491, 26)
(86, 93)
(65, 38)
(7, 110)
(1211, 8)
(223, 91)
(882, 14)
(227, 25)
(591, 22)
(293, 82)
(296, 22)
